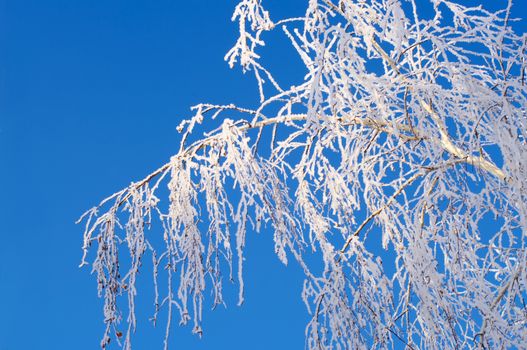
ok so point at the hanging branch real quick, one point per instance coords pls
(407, 135)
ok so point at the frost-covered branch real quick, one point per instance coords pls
(394, 174)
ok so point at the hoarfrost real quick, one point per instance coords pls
(408, 133)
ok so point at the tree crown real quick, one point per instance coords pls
(408, 132)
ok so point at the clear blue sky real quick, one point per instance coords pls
(91, 93)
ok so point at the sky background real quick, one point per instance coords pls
(91, 93)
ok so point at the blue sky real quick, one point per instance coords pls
(91, 93)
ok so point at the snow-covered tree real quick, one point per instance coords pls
(408, 132)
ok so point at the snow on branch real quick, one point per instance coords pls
(407, 134)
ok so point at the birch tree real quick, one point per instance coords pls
(408, 132)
